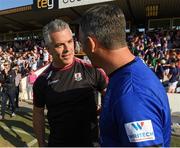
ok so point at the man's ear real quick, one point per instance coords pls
(92, 43)
(49, 49)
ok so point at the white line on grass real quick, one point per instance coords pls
(30, 144)
(16, 130)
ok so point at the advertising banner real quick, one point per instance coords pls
(73, 3)
(60, 4)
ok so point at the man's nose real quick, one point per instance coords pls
(67, 48)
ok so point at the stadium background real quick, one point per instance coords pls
(24, 22)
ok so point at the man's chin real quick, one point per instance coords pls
(68, 61)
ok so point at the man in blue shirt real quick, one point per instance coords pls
(135, 109)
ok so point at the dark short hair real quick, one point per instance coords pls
(107, 24)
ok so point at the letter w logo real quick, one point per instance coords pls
(137, 126)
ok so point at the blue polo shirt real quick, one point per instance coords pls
(135, 110)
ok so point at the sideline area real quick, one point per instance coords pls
(18, 131)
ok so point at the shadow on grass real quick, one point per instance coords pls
(13, 140)
(14, 129)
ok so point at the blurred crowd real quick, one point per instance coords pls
(24, 58)
(18, 60)
(160, 50)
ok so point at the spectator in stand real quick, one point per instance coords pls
(1, 87)
(17, 83)
(173, 76)
(9, 89)
(77, 46)
(159, 70)
(45, 56)
(178, 66)
(40, 57)
(31, 79)
(177, 39)
(165, 45)
(1, 51)
(33, 64)
(157, 46)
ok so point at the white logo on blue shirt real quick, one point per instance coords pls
(139, 131)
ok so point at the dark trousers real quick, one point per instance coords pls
(1, 95)
(17, 96)
(5, 96)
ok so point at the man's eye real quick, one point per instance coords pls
(70, 41)
(58, 46)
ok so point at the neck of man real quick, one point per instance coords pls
(116, 58)
(60, 65)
